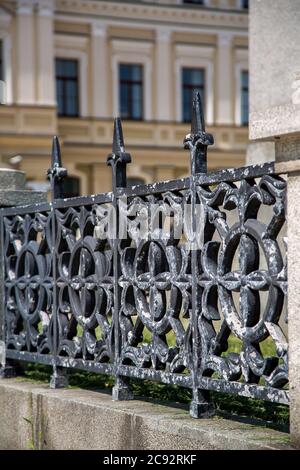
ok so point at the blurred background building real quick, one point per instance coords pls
(68, 66)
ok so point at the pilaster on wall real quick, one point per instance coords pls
(25, 52)
(99, 69)
(224, 79)
(35, 46)
(45, 53)
(164, 77)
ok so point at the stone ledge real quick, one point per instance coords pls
(34, 416)
(24, 197)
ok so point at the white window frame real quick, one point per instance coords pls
(74, 52)
(196, 57)
(5, 37)
(241, 57)
(133, 52)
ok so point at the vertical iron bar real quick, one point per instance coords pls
(6, 370)
(118, 160)
(197, 142)
(56, 174)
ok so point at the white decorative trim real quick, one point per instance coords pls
(7, 66)
(45, 12)
(149, 26)
(225, 38)
(131, 46)
(169, 13)
(71, 42)
(83, 83)
(25, 7)
(163, 35)
(99, 29)
(198, 57)
(133, 52)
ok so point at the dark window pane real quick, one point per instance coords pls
(193, 79)
(244, 97)
(245, 4)
(197, 2)
(67, 87)
(131, 91)
(71, 186)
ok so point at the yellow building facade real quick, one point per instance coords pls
(139, 59)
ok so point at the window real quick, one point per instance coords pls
(192, 80)
(131, 91)
(71, 186)
(67, 87)
(244, 98)
(198, 2)
(245, 4)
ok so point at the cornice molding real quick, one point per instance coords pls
(143, 11)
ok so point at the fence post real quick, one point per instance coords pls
(197, 142)
(56, 175)
(118, 160)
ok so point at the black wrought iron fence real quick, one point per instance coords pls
(161, 281)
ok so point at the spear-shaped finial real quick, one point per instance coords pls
(56, 155)
(198, 140)
(198, 123)
(56, 173)
(119, 158)
(118, 140)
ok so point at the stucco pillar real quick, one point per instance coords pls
(99, 69)
(45, 53)
(224, 75)
(25, 52)
(164, 77)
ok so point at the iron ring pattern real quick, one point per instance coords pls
(156, 289)
(240, 260)
(28, 282)
(85, 286)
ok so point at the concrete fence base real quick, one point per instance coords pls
(32, 416)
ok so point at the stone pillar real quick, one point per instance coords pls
(101, 178)
(224, 98)
(275, 117)
(12, 193)
(45, 53)
(99, 69)
(25, 52)
(164, 77)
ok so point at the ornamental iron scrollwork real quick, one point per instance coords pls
(202, 307)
